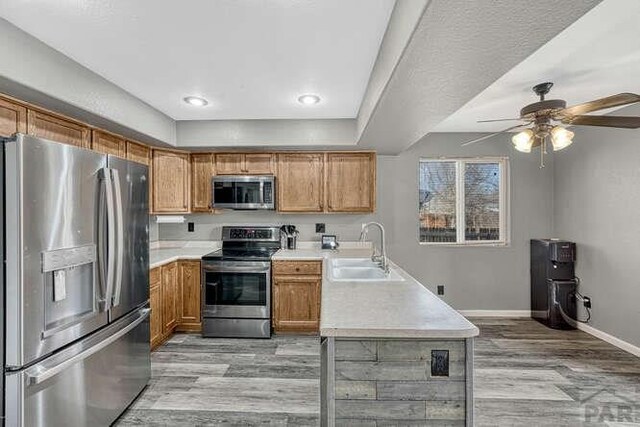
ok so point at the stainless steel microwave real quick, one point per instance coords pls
(244, 192)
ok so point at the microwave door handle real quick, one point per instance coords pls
(262, 192)
(119, 239)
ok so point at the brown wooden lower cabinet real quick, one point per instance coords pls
(189, 296)
(155, 301)
(169, 297)
(174, 297)
(296, 296)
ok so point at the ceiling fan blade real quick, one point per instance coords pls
(607, 121)
(498, 120)
(600, 104)
(482, 138)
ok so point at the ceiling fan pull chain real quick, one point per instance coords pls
(543, 150)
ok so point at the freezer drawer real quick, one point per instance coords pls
(88, 384)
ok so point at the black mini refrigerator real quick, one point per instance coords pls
(553, 282)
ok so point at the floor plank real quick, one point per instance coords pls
(526, 375)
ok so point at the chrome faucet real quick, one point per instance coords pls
(381, 258)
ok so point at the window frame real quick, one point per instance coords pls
(503, 202)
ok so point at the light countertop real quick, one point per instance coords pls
(164, 252)
(310, 251)
(396, 309)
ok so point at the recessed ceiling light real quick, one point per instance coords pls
(308, 99)
(195, 100)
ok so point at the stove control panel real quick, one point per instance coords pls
(250, 233)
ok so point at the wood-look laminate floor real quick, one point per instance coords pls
(525, 375)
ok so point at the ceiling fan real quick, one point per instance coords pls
(546, 120)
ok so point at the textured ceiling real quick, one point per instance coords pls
(250, 59)
(460, 48)
(594, 57)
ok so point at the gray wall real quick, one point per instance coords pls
(270, 133)
(35, 72)
(475, 277)
(596, 204)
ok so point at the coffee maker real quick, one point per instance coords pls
(289, 237)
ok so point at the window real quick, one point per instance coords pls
(463, 201)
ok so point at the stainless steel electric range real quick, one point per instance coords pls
(236, 283)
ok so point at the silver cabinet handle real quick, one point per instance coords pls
(42, 376)
(119, 243)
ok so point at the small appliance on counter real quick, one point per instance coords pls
(289, 236)
(553, 283)
(330, 242)
(236, 285)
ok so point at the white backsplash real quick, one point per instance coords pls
(209, 227)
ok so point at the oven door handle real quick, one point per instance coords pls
(240, 267)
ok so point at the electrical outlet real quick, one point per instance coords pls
(320, 227)
(191, 227)
(439, 363)
(440, 289)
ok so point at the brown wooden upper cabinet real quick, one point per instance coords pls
(56, 128)
(108, 143)
(170, 181)
(138, 152)
(351, 182)
(202, 170)
(300, 182)
(13, 118)
(245, 164)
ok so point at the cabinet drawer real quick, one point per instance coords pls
(297, 267)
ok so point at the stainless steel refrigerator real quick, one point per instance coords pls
(76, 284)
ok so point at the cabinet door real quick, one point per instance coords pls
(202, 170)
(169, 297)
(171, 174)
(300, 182)
(230, 164)
(155, 301)
(296, 303)
(189, 296)
(13, 118)
(107, 143)
(351, 182)
(259, 163)
(47, 126)
(138, 152)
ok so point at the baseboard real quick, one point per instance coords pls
(623, 345)
(495, 313)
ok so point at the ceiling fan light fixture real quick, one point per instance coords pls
(561, 138)
(523, 141)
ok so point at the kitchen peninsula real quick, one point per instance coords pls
(391, 350)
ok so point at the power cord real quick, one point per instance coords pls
(586, 302)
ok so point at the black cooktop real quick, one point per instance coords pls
(243, 254)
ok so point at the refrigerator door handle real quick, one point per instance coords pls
(119, 243)
(105, 249)
(43, 375)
